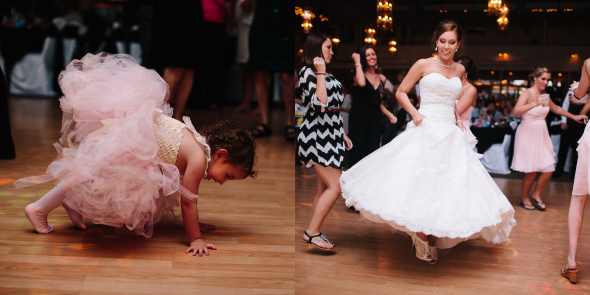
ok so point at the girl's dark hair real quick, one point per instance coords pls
(312, 48)
(447, 26)
(470, 67)
(364, 56)
(238, 142)
(536, 72)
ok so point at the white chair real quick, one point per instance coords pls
(33, 74)
(496, 158)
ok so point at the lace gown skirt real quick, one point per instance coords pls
(428, 179)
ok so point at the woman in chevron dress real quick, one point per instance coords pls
(322, 139)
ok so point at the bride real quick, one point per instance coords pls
(428, 181)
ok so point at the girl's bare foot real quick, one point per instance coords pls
(38, 220)
(75, 217)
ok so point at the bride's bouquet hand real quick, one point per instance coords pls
(417, 118)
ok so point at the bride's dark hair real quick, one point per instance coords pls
(447, 26)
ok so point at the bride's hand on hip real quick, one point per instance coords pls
(417, 118)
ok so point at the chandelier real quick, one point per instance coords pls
(307, 16)
(392, 48)
(503, 19)
(370, 35)
(384, 20)
(494, 6)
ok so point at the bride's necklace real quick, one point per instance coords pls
(442, 64)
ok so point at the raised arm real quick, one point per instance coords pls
(359, 75)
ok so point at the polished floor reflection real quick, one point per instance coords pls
(254, 220)
(370, 259)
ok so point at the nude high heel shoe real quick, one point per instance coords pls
(433, 254)
(422, 248)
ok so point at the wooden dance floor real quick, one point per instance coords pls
(370, 259)
(254, 220)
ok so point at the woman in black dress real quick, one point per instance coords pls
(176, 36)
(322, 139)
(367, 105)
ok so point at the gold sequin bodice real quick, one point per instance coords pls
(169, 137)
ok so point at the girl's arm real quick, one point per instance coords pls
(195, 171)
(558, 110)
(522, 105)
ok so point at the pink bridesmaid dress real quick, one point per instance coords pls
(581, 179)
(533, 149)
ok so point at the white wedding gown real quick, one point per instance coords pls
(428, 179)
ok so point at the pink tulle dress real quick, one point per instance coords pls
(533, 149)
(119, 144)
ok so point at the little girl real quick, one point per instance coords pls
(122, 157)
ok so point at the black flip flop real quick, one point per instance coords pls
(537, 204)
(525, 208)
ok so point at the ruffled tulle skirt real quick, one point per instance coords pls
(428, 179)
(118, 178)
(533, 149)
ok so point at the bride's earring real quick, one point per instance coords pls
(457, 49)
(436, 48)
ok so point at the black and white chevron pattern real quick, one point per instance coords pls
(321, 138)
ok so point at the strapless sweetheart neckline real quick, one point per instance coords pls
(441, 76)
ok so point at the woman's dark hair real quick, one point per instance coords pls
(470, 67)
(447, 26)
(238, 142)
(536, 72)
(312, 48)
(364, 56)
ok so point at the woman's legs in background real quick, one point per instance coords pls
(180, 83)
(527, 183)
(574, 220)
(248, 88)
(330, 179)
(541, 184)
